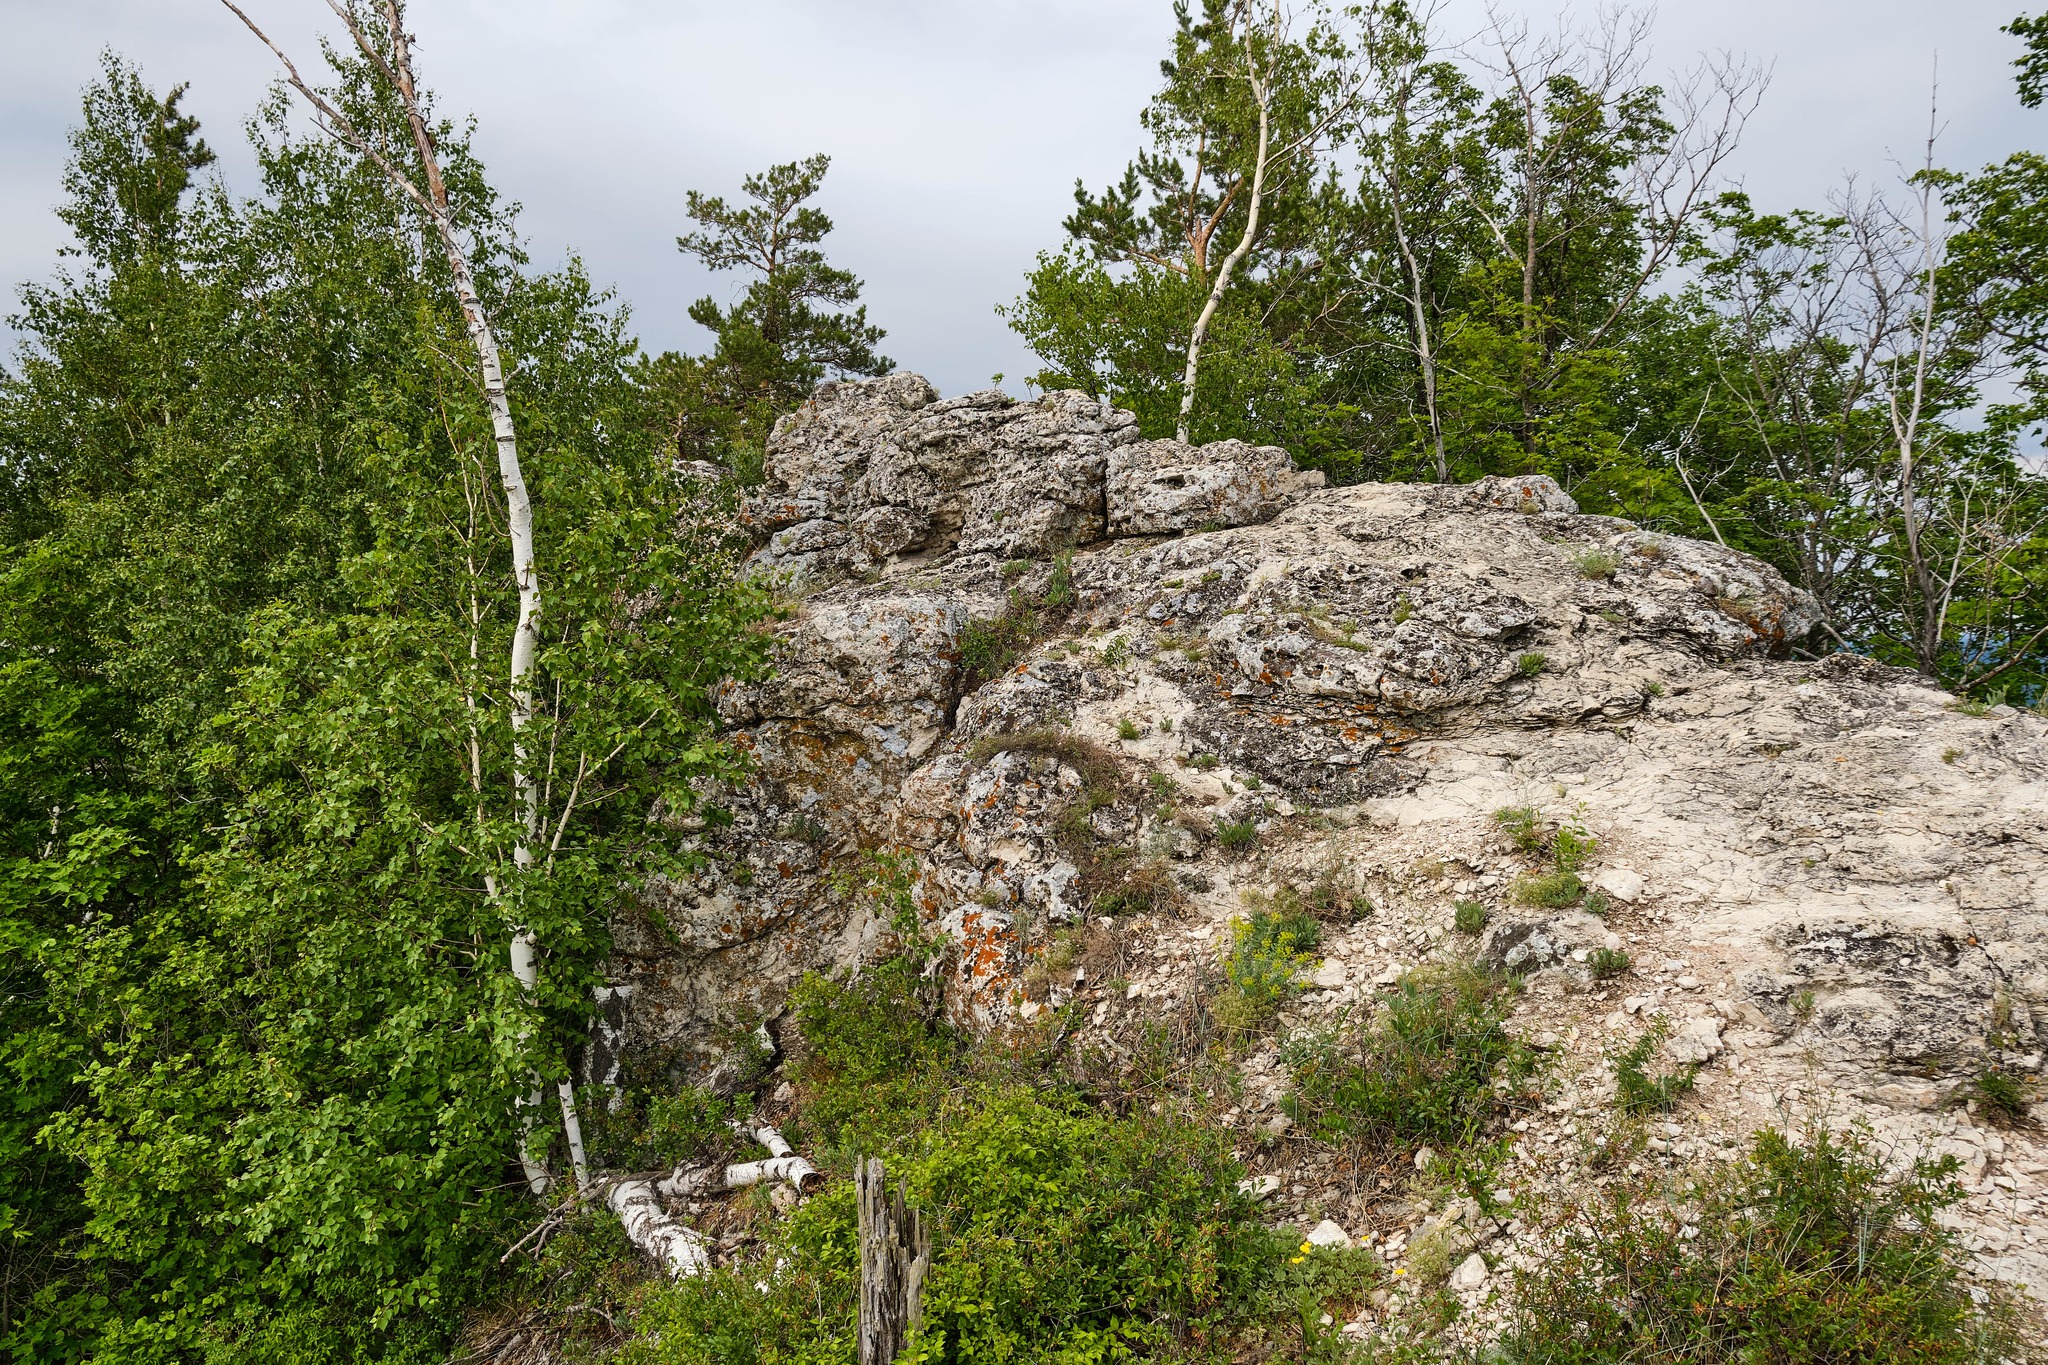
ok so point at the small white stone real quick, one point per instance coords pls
(1328, 1234)
(1424, 1158)
(1470, 1274)
(1260, 1186)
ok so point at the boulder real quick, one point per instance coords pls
(1160, 487)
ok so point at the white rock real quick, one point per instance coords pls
(1470, 1274)
(1330, 975)
(1621, 883)
(1328, 1234)
(1260, 1186)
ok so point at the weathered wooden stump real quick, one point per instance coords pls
(895, 1253)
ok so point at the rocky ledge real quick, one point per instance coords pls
(1095, 681)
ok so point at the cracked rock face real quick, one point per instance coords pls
(1350, 678)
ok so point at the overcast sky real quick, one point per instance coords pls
(956, 127)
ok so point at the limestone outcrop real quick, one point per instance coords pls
(1830, 877)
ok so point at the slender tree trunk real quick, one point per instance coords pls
(1262, 90)
(1425, 352)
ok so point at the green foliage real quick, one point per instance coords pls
(1636, 1090)
(1262, 969)
(1607, 963)
(991, 645)
(1557, 890)
(1571, 848)
(1127, 729)
(1237, 835)
(2005, 1097)
(786, 332)
(1529, 665)
(1470, 917)
(1807, 1250)
(1524, 825)
(1593, 563)
(1430, 1065)
(1058, 1234)
(256, 882)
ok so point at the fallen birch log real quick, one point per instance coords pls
(783, 1164)
(678, 1247)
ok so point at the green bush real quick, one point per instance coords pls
(1636, 1090)
(1428, 1067)
(1058, 1235)
(1529, 665)
(1571, 848)
(990, 645)
(1804, 1251)
(1268, 954)
(1595, 563)
(1471, 917)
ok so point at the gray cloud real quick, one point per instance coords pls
(956, 127)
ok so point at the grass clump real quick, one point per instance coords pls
(991, 645)
(1127, 729)
(1607, 963)
(1530, 664)
(1636, 1091)
(1269, 954)
(1237, 835)
(2003, 1097)
(1806, 1250)
(1592, 563)
(1556, 890)
(1430, 1066)
(1146, 889)
(1470, 917)
(1524, 827)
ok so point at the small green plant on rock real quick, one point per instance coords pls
(1237, 835)
(1595, 563)
(1636, 1091)
(1471, 917)
(1269, 953)
(1205, 762)
(1556, 890)
(1607, 963)
(1530, 664)
(1127, 729)
(1524, 826)
(2003, 1097)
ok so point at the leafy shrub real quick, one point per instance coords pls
(1804, 1251)
(1237, 834)
(1571, 848)
(1607, 963)
(875, 1056)
(1424, 1069)
(1058, 1234)
(1117, 652)
(1596, 903)
(1059, 587)
(1636, 1091)
(1557, 890)
(1263, 969)
(1205, 762)
(1471, 917)
(1524, 826)
(1529, 665)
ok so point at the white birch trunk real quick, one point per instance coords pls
(679, 1248)
(1262, 89)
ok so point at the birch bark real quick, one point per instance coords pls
(1262, 91)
